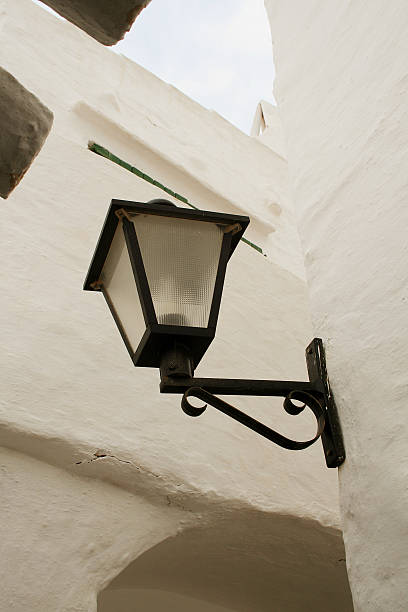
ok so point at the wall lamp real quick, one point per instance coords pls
(161, 269)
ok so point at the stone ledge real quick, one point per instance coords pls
(104, 20)
(24, 125)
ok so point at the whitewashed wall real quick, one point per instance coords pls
(342, 90)
(267, 128)
(72, 402)
(64, 537)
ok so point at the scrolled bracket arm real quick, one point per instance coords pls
(314, 394)
(308, 400)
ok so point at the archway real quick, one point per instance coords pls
(242, 560)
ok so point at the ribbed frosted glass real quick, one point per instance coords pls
(181, 261)
(119, 283)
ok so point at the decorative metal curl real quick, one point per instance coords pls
(307, 399)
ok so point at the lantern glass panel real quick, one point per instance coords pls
(119, 283)
(181, 258)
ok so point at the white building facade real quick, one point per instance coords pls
(113, 499)
(342, 92)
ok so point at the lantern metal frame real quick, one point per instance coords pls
(177, 349)
(157, 335)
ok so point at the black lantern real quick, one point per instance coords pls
(161, 269)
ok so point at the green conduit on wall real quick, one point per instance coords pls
(99, 150)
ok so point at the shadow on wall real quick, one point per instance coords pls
(246, 560)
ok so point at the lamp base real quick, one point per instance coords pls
(176, 362)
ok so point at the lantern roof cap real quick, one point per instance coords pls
(160, 208)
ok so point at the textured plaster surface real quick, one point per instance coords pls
(24, 125)
(342, 88)
(73, 399)
(64, 537)
(104, 20)
(267, 127)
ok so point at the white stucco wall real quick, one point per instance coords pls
(72, 398)
(342, 91)
(64, 537)
(267, 127)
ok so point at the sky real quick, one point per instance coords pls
(218, 52)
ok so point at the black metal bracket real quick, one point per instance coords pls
(176, 377)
